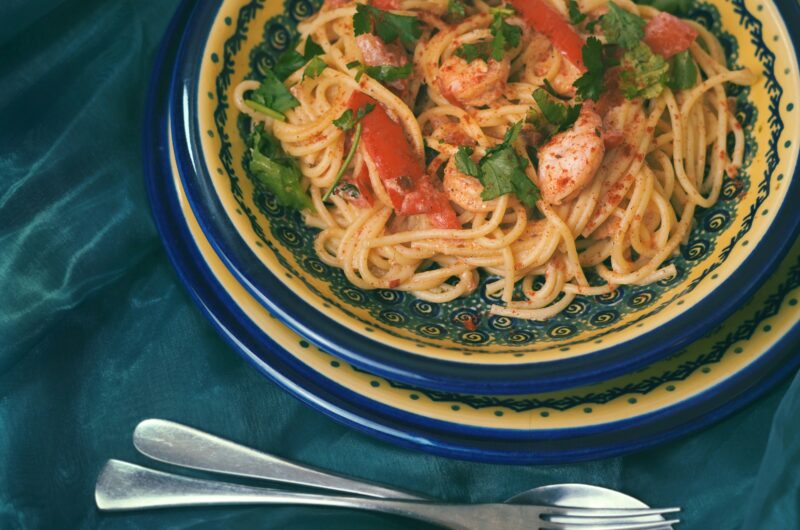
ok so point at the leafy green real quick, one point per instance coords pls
(590, 84)
(558, 114)
(622, 27)
(470, 52)
(675, 7)
(683, 71)
(644, 73)
(314, 68)
(312, 49)
(291, 60)
(464, 163)
(501, 170)
(278, 172)
(505, 36)
(349, 119)
(575, 15)
(346, 163)
(382, 72)
(345, 122)
(273, 95)
(287, 64)
(386, 25)
(456, 9)
(552, 91)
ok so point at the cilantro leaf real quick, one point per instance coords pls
(590, 84)
(470, 52)
(386, 25)
(464, 163)
(348, 119)
(644, 73)
(287, 64)
(346, 163)
(575, 15)
(496, 170)
(312, 49)
(389, 73)
(278, 172)
(456, 9)
(273, 95)
(502, 171)
(675, 7)
(314, 68)
(622, 27)
(552, 91)
(683, 72)
(560, 115)
(505, 35)
(362, 20)
(382, 72)
(291, 60)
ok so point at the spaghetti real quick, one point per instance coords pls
(534, 141)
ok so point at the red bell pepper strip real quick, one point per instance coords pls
(549, 22)
(410, 189)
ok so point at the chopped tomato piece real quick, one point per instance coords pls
(667, 35)
(410, 189)
(549, 22)
(386, 5)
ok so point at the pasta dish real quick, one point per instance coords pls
(561, 148)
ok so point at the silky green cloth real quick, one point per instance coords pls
(96, 332)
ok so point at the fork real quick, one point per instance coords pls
(126, 486)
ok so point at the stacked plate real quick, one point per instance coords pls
(610, 375)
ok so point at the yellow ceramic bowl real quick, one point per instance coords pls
(732, 248)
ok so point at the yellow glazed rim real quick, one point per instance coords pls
(632, 324)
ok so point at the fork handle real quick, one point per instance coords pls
(126, 486)
(180, 445)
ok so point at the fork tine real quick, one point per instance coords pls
(617, 513)
(653, 525)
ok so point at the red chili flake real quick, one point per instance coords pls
(393, 283)
(470, 322)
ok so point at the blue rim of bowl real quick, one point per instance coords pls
(424, 434)
(399, 365)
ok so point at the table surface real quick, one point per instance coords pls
(96, 332)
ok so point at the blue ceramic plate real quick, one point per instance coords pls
(732, 250)
(747, 334)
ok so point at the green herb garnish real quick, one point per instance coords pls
(590, 84)
(575, 15)
(683, 71)
(345, 122)
(501, 170)
(386, 25)
(314, 68)
(384, 72)
(278, 172)
(505, 36)
(272, 98)
(622, 27)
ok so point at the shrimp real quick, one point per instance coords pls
(449, 132)
(570, 159)
(464, 190)
(472, 84)
(376, 53)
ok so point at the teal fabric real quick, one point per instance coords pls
(96, 333)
